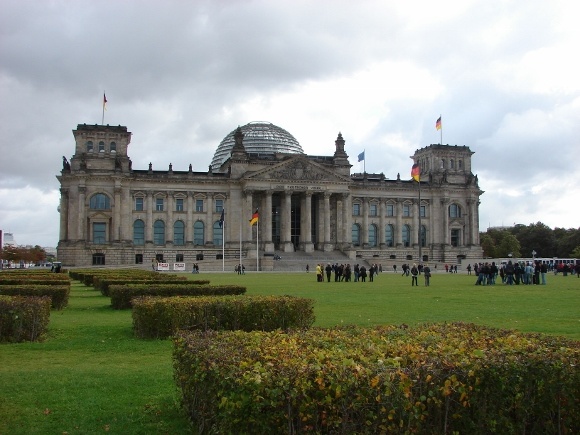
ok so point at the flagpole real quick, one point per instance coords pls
(223, 246)
(365, 161)
(257, 240)
(240, 265)
(104, 102)
(441, 130)
(420, 241)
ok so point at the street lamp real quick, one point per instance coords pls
(534, 255)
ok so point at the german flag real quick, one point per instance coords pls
(254, 219)
(416, 172)
(438, 124)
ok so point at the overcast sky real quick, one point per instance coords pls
(504, 76)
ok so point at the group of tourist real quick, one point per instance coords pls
(512, 273)
(344, 272)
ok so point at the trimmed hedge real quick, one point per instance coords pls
(121, 295)
(155, 317)
(103, 283)
(449, 378)
(86, 276)
(23, 318)
(58, 294)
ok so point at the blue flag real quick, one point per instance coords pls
(222, 217)
(361, 156)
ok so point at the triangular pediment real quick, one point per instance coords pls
(297, 169)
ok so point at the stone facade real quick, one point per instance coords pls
(113, 214)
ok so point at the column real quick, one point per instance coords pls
(445, 214)
(116, 227)
(82, 215)
(169, 213)
(365, 223)
(285, 221)
(306, 230)
(382, 224)
(149, 217)
(399, 228)
(267, 222)
(346, 221)
(247, 229)
(209, 219)
(64, 218)
(415, 229)
(189, 220)
(326, 219)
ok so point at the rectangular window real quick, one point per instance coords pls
(199, 205)
(179, 204)
(159, 204)
(356, 209)
(179, 258)
(138, 258)
(219, 205)
(390, 210)
(423, 211)
(455, 238)
(139, 204)
(406, 210)
(373, 210)
(99, 232)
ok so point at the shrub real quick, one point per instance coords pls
(450, 378)
(121, 295)
(161, 317)
(23, 318)
(58, 294)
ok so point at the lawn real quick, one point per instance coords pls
(91, 375)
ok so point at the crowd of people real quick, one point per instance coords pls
(511, 273)
(359, 273)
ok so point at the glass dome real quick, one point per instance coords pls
(262, 138)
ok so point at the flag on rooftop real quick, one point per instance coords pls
(361, 156)
(438, 124)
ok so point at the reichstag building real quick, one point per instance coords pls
(114, 214)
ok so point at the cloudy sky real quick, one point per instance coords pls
(181, 74)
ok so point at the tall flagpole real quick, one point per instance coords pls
(223, 245)
(240, 265)
(257, 240)
(104, 107)
(420, 241)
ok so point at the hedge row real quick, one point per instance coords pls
(40, 279)
(121, 295)
(103, 283)
(86, 276)
(23, 318)
(58, 293)
(450, 378)
(155, 317)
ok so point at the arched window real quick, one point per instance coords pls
(138, 232)
(454, 211)
(101, 147)
(442, 163)
(90, 146)
(355, 234)
(390, 235)
(179, 233)
(452, 164)
(159, 233)
(100, 201)
(198, 236)
(113, 147)
(406, 235)
(372, 235)
(423, 236)
(218, 234)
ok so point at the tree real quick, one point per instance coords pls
(508, 244)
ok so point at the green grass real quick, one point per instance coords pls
(91, 375)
